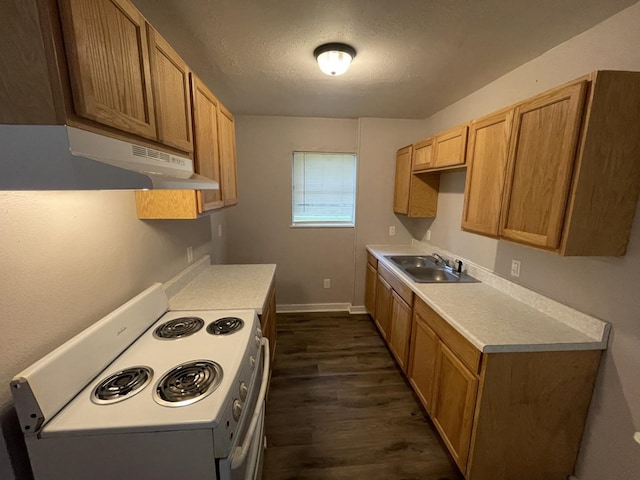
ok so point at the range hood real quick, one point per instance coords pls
(59, 157)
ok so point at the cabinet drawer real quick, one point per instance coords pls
(373, 261)
(469, 354)
(401, 289)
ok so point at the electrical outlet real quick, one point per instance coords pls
(220, 230)
(428, 235)
(515, 268)
(392, 230)
(327, 283)
(189, 254)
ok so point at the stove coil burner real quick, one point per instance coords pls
(178, 328)
(188, 382)
(225, 326)
(122, 385)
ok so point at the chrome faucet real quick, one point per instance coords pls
(440, 259)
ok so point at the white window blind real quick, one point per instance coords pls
(324, 188)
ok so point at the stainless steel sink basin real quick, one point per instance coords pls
(425, 269)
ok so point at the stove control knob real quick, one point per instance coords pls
(252, 362)
(259, 332)
(237, 409)
(243, 391)
(257, 342)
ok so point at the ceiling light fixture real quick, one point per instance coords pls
(334, 58)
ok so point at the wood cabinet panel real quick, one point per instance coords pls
(400, 329)
(370, 290)
(170, 79)
(383, 307)
(162, 204)
(422, 155)
(486, 169)
(228, 161)
(422, 364)
(402, 180)
(540, 166)
(268, 321)
(107, 53)
(454, 399)
(450, 148)
(206, 152)
(530, 414)
(414, 195)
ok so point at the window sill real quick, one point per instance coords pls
(322, 225)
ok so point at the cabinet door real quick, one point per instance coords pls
(400, 329)
(422, 155)
(228, 161)
(108, 55)
(422, 364)
(541, 158)
(383, 307)
(454, 399)
(402, 180)
(486, 168)
(268, 322)
(370, 290)
(170, 78)
(205, 131)
(450, 148)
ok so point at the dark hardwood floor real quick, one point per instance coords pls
(339, 407)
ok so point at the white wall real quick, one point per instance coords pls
(69, 258)
(602, 286)
(259, 227)
(379, 140)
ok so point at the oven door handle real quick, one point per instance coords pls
(240, 452)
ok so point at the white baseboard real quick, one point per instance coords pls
(320, 307)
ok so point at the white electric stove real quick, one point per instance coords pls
(149, 393)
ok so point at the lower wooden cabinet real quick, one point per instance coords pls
(502, 415)
(423, 355)
(414, 195)
(370, 285)
(454, 399)
(268, 321)
(400, 329)
(394, 311)
(383, 307)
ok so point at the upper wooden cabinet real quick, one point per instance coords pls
(450, 148)
(541, 159)
(108, 58)
(170, 80)
(415, 195)
(523, 411)
(95, 65)
(215, 158)
(207, 143)
(445, 151)
(572, 179)
(486, 169)
(228, 161)
(422, 155)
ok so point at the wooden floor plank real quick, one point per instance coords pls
(340, 408)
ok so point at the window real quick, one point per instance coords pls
(324, 189)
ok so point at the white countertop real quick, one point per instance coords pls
(220, 287)
(495, 321)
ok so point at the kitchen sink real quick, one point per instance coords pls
(426, 269)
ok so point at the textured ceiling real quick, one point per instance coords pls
(414, 57)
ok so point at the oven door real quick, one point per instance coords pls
(245, 461)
